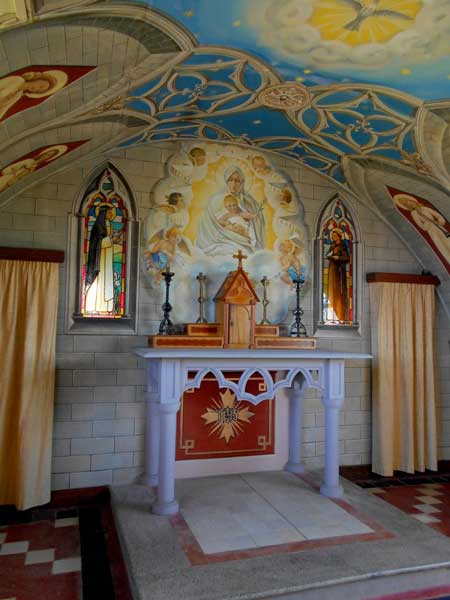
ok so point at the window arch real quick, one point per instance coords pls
(105, 263)
(336, 263)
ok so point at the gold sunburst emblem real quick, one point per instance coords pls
(227, 416)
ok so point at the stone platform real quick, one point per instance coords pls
(271, 535)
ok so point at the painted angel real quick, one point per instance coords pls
(163, 248)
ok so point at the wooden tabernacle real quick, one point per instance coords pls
(235, 325)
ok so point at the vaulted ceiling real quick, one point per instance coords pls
(346, 87)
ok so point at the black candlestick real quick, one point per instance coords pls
(201, 298)
(297, 327)
(166, 325)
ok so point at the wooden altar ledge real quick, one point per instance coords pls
(169, 375)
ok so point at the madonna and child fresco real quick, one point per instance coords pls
(216, 201)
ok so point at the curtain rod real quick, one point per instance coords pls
(402, 278)
(31, 254)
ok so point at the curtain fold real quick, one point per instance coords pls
(28, 309)
(403, 378)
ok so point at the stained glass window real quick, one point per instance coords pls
(337, 235)
(104, 250)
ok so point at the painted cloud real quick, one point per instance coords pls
(308, 31)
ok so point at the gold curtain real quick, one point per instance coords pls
(28, 308)
(403, 378)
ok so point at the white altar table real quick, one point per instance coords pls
(168, 378)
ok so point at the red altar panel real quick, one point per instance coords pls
(213, 423)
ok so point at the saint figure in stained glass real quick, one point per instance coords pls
(338, 258)
(337, 266)
(104, 252)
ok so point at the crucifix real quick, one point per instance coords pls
(240, 257)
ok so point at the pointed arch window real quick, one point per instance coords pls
(336, 297)
(107, 234)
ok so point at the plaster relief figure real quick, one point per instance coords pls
(215, 201)
(213, 237)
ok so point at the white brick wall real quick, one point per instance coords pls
(100, 412)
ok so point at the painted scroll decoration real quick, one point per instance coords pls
(218, 200)
(29, 86)
(427, 220)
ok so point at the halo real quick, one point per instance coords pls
(61, 78)
(400, 199)
(235, 162)
(61, 148)
(110, 207)
(338, 231)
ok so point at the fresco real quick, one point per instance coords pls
(32, 85)
(398, 43)
(218, 200)
(427, 220)
(33, 161)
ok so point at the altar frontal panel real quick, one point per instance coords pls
(213, 423)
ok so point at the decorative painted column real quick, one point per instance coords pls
(294, 463)
(332, 400)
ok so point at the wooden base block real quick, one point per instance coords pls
(203, 329)
(184, 341)
(301, 343)
(267, 330)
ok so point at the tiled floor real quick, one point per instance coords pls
(65, 554)
(428, 502)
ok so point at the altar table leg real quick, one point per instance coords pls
(152, 442)
(294, 463)
(332, 401)
(331, 486)
(166, 503)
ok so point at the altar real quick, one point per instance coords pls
(172, 371)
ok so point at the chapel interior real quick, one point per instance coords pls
(225, 299)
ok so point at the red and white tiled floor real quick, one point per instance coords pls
(67, 550)
(42, 556)
(74, 554)
(428, 502)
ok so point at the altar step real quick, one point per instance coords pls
(428, 583)
(227, 544)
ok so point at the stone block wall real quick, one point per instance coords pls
(100, 410)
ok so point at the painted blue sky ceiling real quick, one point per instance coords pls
(313, 41)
